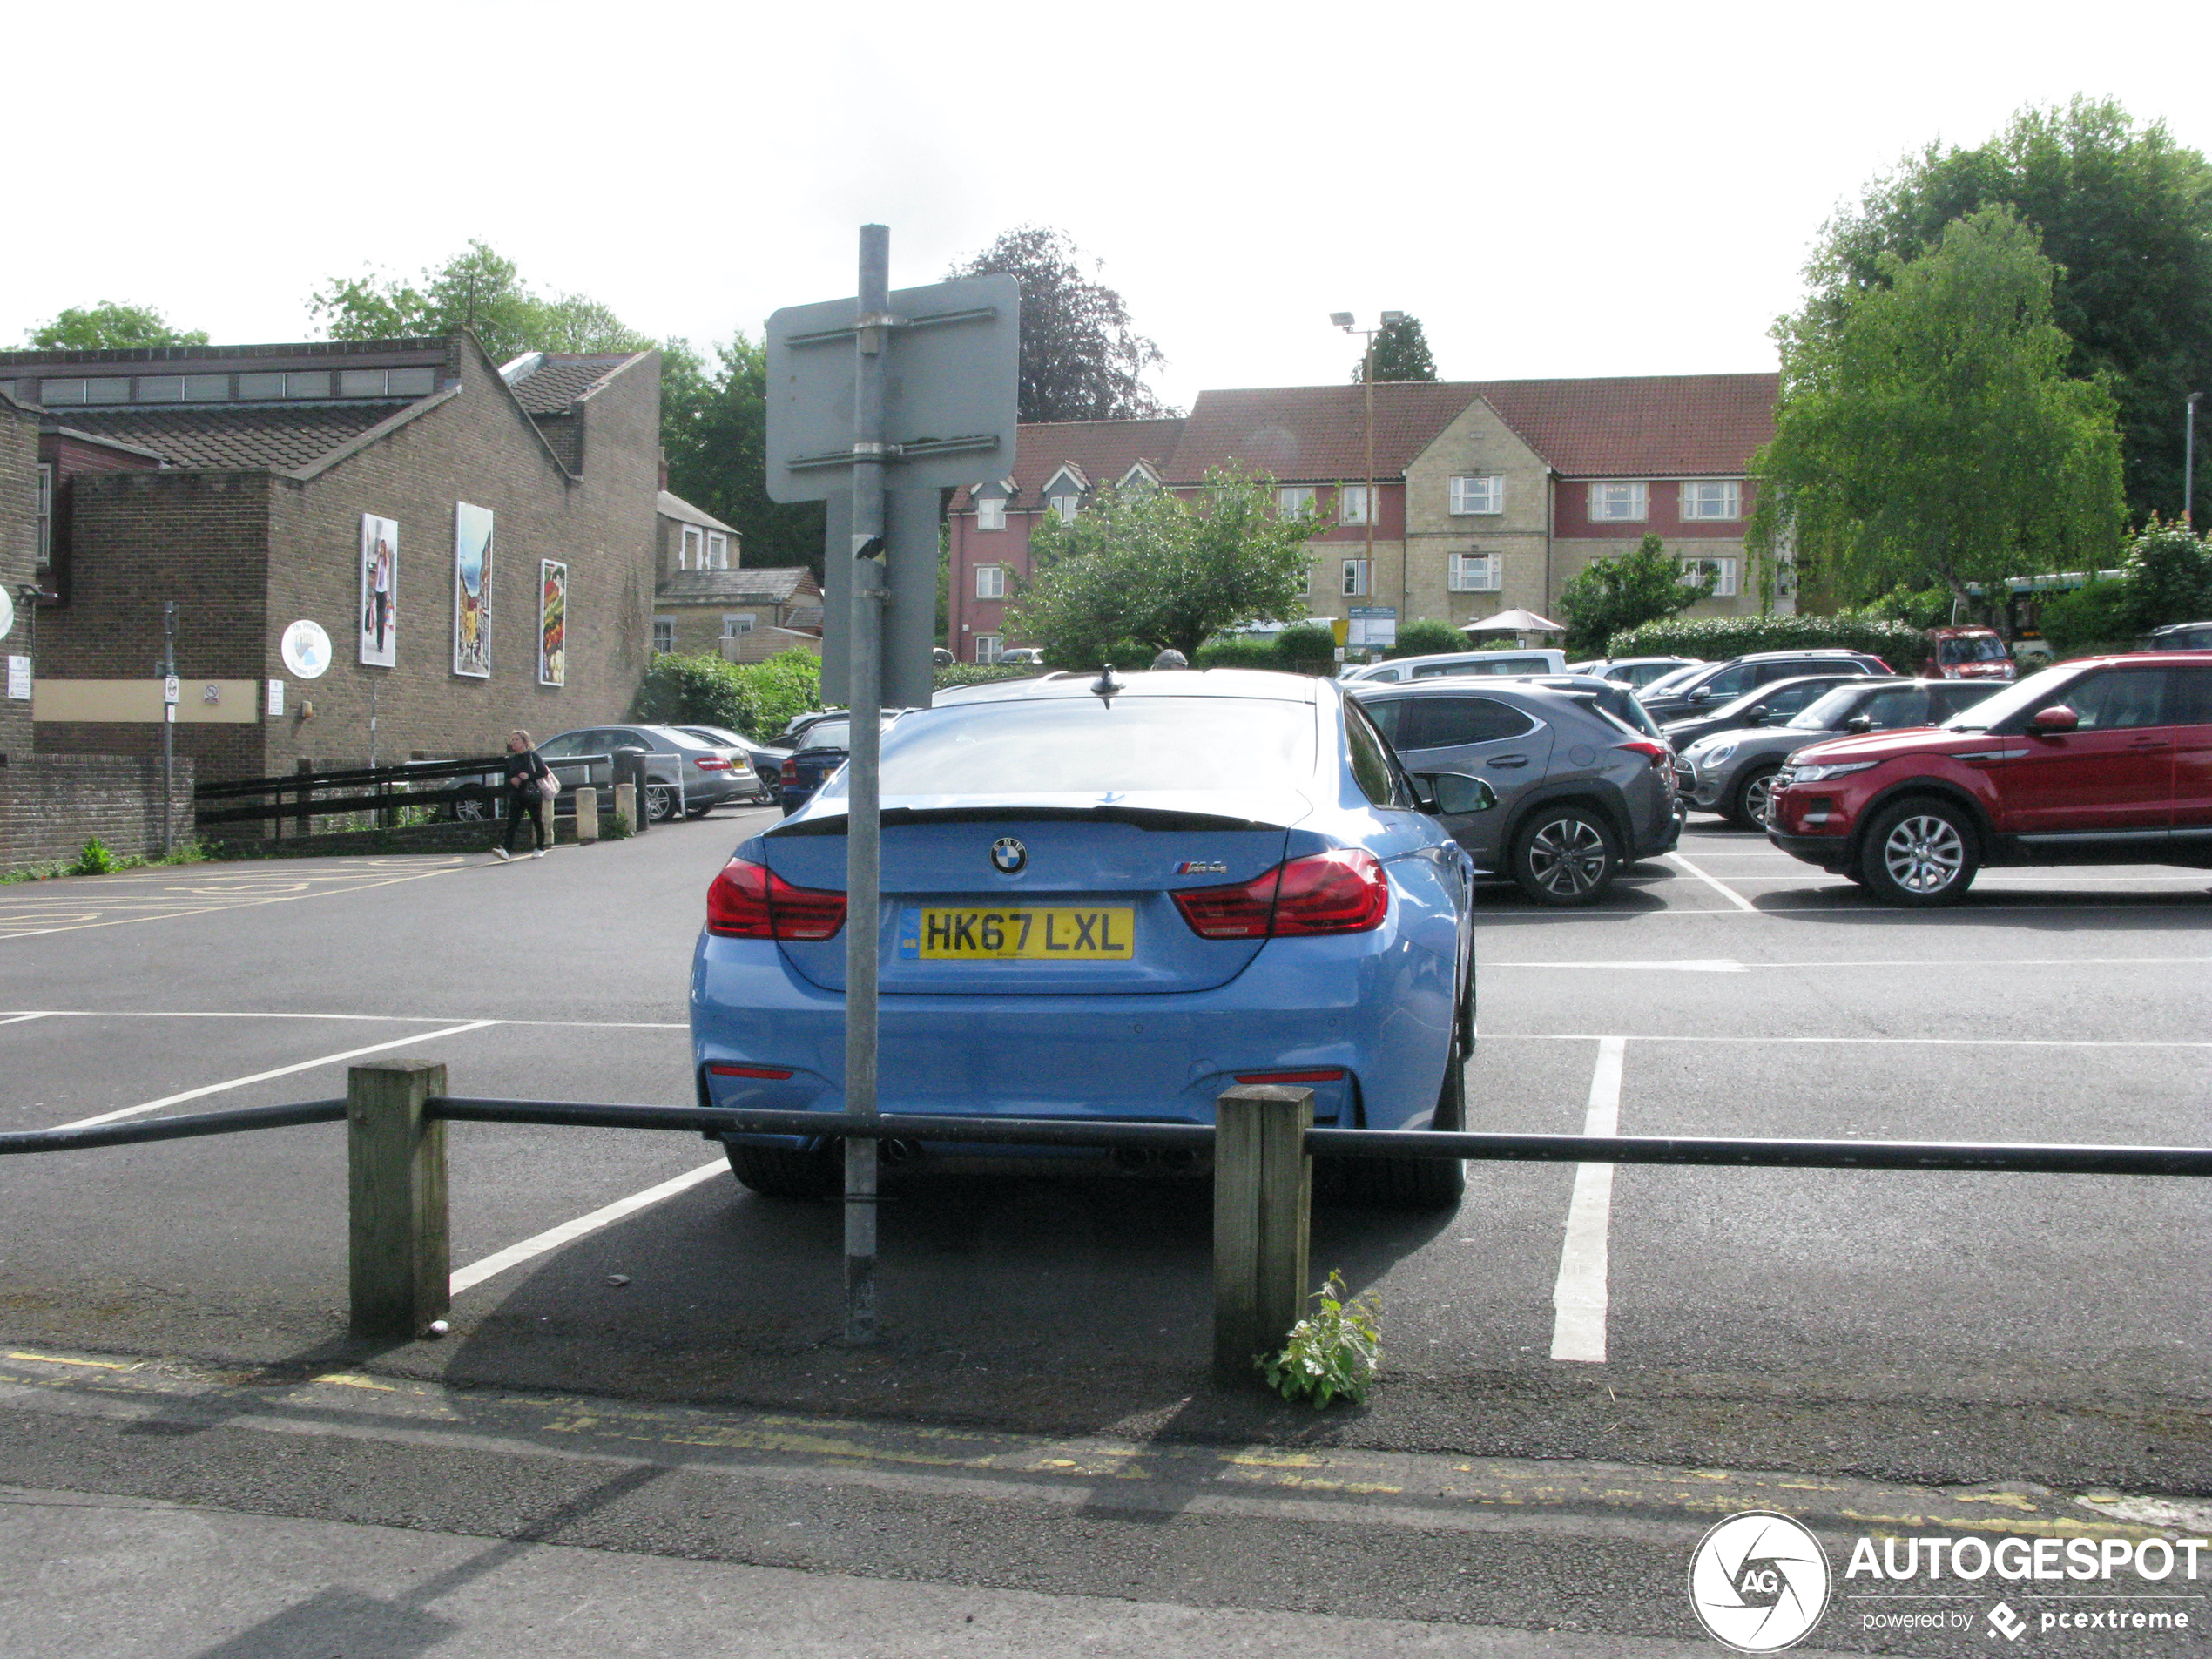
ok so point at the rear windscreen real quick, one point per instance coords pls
(1084, 747)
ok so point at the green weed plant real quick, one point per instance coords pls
(1332, 1353)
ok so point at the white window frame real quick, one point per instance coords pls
(1620, 501)
(1346, 495)
(1066, 506)
(1724, 584)
(1476, 573)
(45, 515)
(718, 550)
(664, 630)
(735, 625)
(990, 582)
(1467, 501)
(1727, 501)
(990, 512)
(1357, 578)
(691, 548)
(989, 647)
(1292, 500)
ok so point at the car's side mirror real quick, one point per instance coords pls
(1699, 696)
(1859, 722)
(1755, 717)
(2051, 721)
(1451, 794)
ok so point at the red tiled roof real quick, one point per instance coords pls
(1633, 427)
(1315, 434)
(1104, 449)
(1641, 426)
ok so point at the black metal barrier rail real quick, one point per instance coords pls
(396, 1113)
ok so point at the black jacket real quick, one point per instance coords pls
(521, 768)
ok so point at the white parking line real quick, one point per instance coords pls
(1727, 892)
(1904, 1043)
(1728, 965)
(553, 1238)
(280, 1071)
(1579, 1297)
(383, 1019)
(18, 1019)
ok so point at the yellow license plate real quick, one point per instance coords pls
(1028, 936)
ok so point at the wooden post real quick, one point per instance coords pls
(626, 806)
(304, 768)
(544, 811)
(1262, 1202)
(587, 814)
(400, 1265)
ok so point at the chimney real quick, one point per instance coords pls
(664, 467)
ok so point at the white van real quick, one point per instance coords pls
(1502, 663)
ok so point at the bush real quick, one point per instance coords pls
(1238, 652)
(1426, 637)
(2168, 578)
(1308, 648)
(756, 698)
(2080, 622)
(953, 674)
(95, 859)
(1334, 1352)
(1906, 649)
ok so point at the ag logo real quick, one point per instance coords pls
(1009, 855)
(1758, 1582)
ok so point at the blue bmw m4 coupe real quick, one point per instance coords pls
(1113, 900)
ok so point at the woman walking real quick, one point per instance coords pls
(529, 781)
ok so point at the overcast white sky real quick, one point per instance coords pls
(1572, 189)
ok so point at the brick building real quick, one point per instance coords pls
(360, 486)
(1488, 495)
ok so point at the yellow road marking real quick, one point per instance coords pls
(53, 1359)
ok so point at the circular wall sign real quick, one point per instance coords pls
(307, 650)
(7, 614)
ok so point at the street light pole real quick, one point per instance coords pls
(1344, 321)
(2188, 464)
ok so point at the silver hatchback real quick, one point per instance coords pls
(1578, 793)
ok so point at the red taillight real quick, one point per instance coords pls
(1318, 1074)
(790, 770)
(749, 901)
(711, 763)
(1657, 753)
(1338, 891)
(774, 1073)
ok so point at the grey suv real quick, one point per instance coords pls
(1578, 794)
(1685, 694)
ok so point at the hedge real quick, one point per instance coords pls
(756, 698)
(1717, 638)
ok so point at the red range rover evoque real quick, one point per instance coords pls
(2107, 760)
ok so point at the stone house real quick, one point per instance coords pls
(705, 604)
(1485, 495)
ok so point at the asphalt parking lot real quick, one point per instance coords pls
(1948, 1330)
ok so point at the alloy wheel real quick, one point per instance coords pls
(1923, 854)
(1567, 857)
(1758, 797)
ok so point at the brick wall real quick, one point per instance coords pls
(51, 804)
(19, 559)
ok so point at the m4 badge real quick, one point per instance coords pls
(1202, 866)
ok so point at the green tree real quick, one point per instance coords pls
(1401, 354)
(714, 425)
(2096, 614)
(110, 326)
(478, 290)
(1151, 568)
(1081, 358)
(1930, 434)
(1608, 596)
(2127, 214)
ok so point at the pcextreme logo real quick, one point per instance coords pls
(1759, 1582)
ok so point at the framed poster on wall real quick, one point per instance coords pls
(380, 591)
(472, 554)
(552, 623)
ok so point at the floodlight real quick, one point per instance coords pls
(1342, 318)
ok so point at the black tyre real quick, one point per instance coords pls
(1405, 1184)
(1920, 854)
(1747, 802)
(1564, 856)
(660, 802)
(789, 1171)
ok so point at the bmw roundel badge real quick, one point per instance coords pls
(1009, 855)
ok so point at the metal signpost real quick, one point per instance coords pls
(925, 399)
